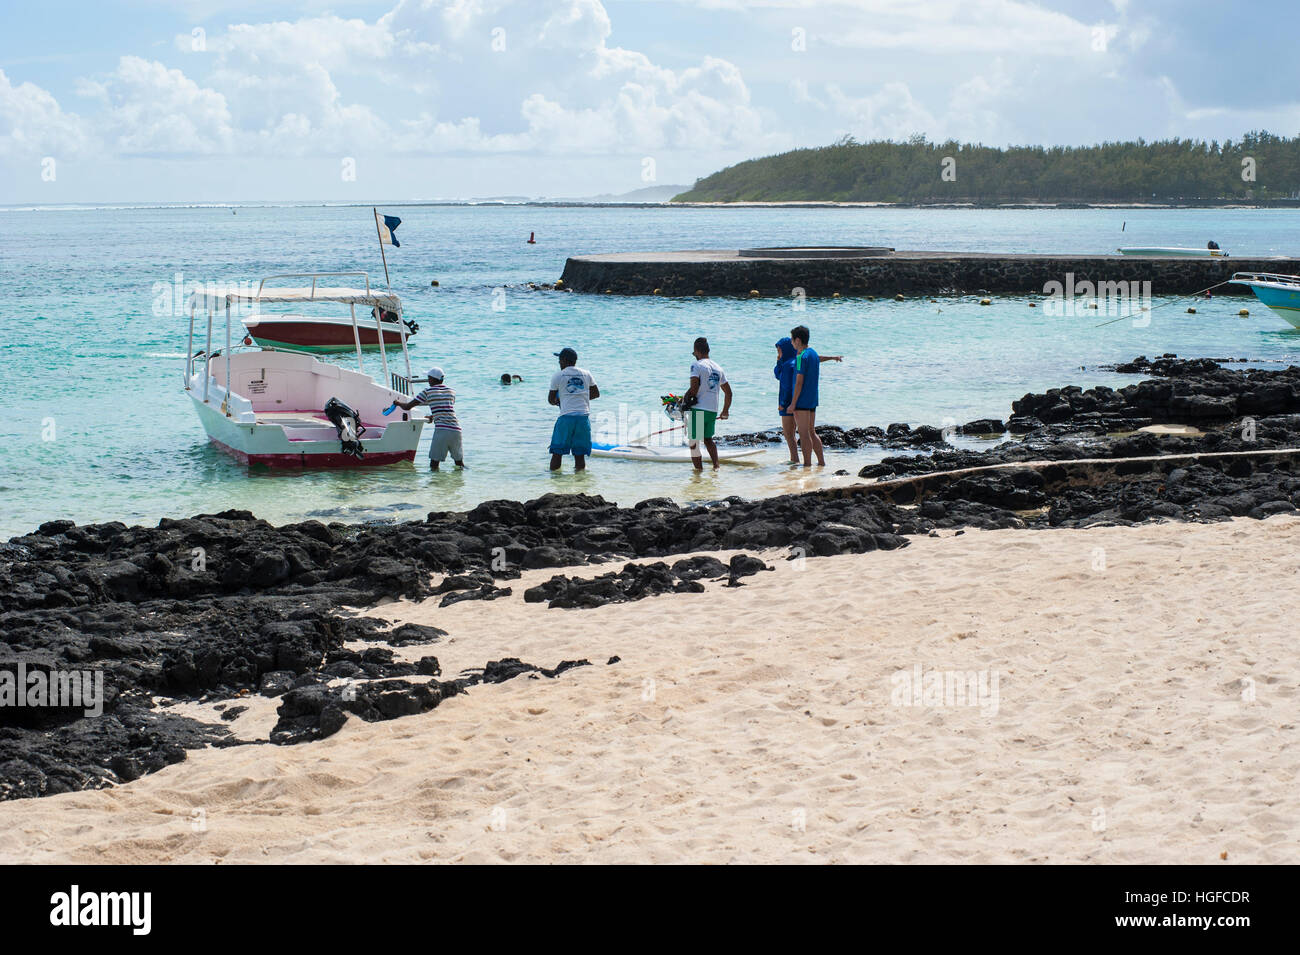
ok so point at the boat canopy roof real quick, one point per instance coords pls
(217, 295)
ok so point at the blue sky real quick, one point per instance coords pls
(217, 100)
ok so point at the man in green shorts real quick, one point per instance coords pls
(707, 380)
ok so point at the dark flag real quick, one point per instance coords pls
(388, 231)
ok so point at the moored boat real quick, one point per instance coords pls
(281, 407)
(327, 333)
(1281, 293)
(1166, 251)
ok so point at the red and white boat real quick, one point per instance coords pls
(282, 407)
(329, 333)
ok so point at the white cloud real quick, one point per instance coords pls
(155, 110)
(889, 113)
(33, 124)
(274, 89)
(454, 74)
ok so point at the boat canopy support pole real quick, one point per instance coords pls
(189, 349)
(207, 357)
(406, 355)
(383, 346)
(356, 337)
(226, 403)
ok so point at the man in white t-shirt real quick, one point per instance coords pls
(572, 391)
(707, 381)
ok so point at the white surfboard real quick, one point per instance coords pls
(673, 454)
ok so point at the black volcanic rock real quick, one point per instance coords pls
(218, 605)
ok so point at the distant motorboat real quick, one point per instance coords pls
(1165, 251)
(1281, 293)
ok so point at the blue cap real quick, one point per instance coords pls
(568, 353)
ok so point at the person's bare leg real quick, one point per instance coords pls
(817, 441)
(556, 461)
(712, 447)
(579, 462)
(805, 441)
(787, 428)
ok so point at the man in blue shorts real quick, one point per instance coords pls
(572, 390)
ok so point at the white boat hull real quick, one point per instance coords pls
(1173, 251)
(273, 415)
(1281, 293)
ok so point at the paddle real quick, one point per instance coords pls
(664, 431)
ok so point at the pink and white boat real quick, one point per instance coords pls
(283, 408)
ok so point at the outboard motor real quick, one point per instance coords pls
(348, 425)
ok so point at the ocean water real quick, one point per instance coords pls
(96, 427)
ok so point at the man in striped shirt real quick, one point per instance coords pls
(446, 428)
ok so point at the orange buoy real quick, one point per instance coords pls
(532, 238)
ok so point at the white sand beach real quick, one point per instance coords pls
(1146, 712)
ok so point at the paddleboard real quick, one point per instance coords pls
(675, 454)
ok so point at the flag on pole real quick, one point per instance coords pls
(388, 231)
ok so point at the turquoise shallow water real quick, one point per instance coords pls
(96, 427)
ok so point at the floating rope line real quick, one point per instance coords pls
(1162, 305)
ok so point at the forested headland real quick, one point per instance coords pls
(1257, 167)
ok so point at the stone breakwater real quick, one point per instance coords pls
(220, 607)
(900, 273)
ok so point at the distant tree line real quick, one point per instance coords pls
(1258, 166)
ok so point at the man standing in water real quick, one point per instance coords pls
(572, 390)
(442, 412)
(707, 380)
(785, 376)
(803, 402)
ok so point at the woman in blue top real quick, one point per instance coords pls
(784, 373)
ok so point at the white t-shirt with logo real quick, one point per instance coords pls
(712, 378)
(573, 386)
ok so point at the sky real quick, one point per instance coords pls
(306, 100)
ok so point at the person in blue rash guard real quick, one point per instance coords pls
(803, 402)
(784, 373)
